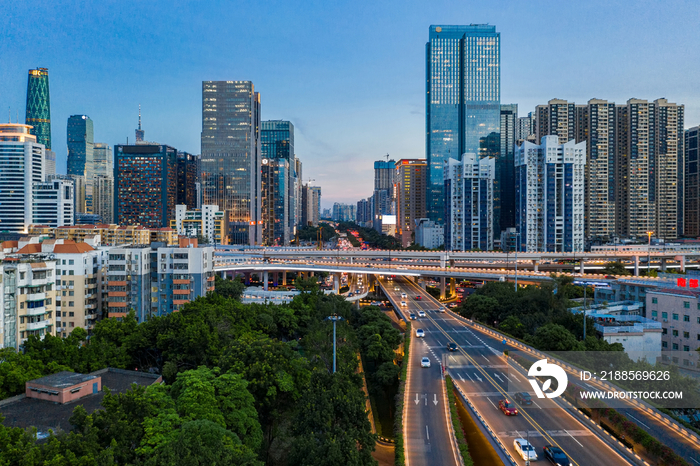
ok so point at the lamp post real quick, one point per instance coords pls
(335, 318)
(649, 233)
(517, 246)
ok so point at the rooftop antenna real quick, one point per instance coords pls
(387, 157)
(139, 117)
(9, 115)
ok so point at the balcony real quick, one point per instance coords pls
(39, 325)
(91, 317)
(36, 311)
(36, 296)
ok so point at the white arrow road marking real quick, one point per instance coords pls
(514, 378)
(435, 399)
(477, 377)
(498, 377)
(505, 376)
(417, 401)
(460, 376)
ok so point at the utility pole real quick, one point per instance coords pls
(649, 233)
(517, 246)
(585, 287)
(335, 318)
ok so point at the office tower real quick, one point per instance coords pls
(102, 160)
(692, 184)
(600, 177)
(187, 178)
(145, 184)
(49, 163)
(384, 200)
(208, 223)
(344, 212)
(81, 144)
(21, 165)
(315, 200)
(469, 185)
(525, 128)
(54, 203)
(364, 213)
(504, 189)
(463, 97)
(230, 166)
(275, 201)
(649, 168)
(277, 142)
(549, 192)
(38, 114)
(298, 185)
(139, 132)
(103, 197)
(410, 179)
(28, 305)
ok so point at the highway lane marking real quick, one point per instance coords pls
(638, 421)
(435, 400)
(498, 377)
(537, 405)
(505, 376)
(427, 434)
(514, 378)
(417, 401)
(695, 460)
(477, 377)
(470, 377)
(492, 403)
(573, 438)
(460, 376)
(438, 341)
(487, 359)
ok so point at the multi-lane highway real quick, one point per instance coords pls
(481, 372)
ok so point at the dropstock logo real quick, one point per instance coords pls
(544, 369)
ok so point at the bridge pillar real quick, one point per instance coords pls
(284, 278)
(311, 273)
(535, 265)
(681, 261)
(442, 287)
(423, 284)
(247, 278)
(636, 266)
(453, 286)
(265, 278)
(663, 264)
(443, 260)
(336, 283)
(223, 274)
(275, 279)
(581, 268)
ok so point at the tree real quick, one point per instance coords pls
(512, 326)
(615, 268)
(231, 289)
(554, 337)
(478, 307)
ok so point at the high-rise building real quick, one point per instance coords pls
(49, 162)
(230, 165)
(275, 201)
(550, 195)
(299, 186)
(692, 183)
(139, 132)
(525, 128)
(463, 98)
(410, 179)
(504, 189)
(469, 185)
(102, 160)
(53, 204)
(81, 144)
(277, 142)
(208, 223)
(21, 166)
(344, 212)
(38, 114)
(103, 197)
(429, 234)
(384, 196)
(315, 204)
(187, 178)
(145, 184)
(364, 213)
(600, 123)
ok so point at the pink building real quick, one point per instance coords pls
(63, 387)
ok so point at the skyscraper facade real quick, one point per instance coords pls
(21, 166)
(81, 145)
(410, 179)
(469, 185)
(463, 97)
(230, 164)
(145, 184)
(277, 142)
(525, 127)
(504, 205)
(275, 201)
(383, 197)
(103, 197)
(550, 195)
(692, 183)
(103, 161)
(39, 106)
(187, 178)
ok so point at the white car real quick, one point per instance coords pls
(420, 333)
(421, 313)
(524, 449)
(403, 295)
(403, 303)
(442, 309)
(396, 288)
(425, 362)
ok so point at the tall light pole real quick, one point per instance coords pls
(335, 318)
(649, 233)
(517, 246)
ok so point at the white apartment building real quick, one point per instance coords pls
(429, 234)
(208, 222)
(54, 203)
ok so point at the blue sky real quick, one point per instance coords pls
(349, 75)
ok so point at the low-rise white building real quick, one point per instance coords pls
(429, 234)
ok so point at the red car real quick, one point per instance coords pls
(508, 408)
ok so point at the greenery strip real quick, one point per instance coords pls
(457, 424)
(399, 452)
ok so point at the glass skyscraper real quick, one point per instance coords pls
(463, 84)
(277, 142)
(230, 164)
(81, 145)
(39, 106)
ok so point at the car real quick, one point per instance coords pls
(442, 309)
(421, 313)
(425, 362)
(420, 333)
(403, 303)
(556, 455)
(524, 449)
(403, 295)
(452, 347)
(396, 288)
(418, 298)
(412, 317)
(508, 408)
(523, 398)
(350, 294)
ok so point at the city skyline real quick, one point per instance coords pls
(324, 90)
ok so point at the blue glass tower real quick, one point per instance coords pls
(463, 97)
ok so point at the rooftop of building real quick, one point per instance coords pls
(677, 292)
(63, 379)
(26, 412)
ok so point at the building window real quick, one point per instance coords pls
(686, 334)
(686, 348)
(686, 318)
(71, 314)
(72, 304)
(71, 324)
(664, 344)
(654, 300)
(71, 293)
(675, 316)
(71, 262)
(664, 330)
(664, 315)
(675, 346)
(686, 304)
(654, 313)
(675, 333)
(71, 272)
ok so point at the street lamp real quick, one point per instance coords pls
(649, 233)
(335, 318)
(517, 246)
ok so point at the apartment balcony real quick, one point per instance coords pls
(91, 317)
(36, 296)
(36, 311)
(91, 306)
(39, 325)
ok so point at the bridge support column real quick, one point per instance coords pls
(247, 278)
(535, 266)
(636, 266)
(443, 260)
(581, 267)
(423, 284)
(663, 264)
(442, 287)
(311, 273)
(336, 283)
(453, 286)
(223, 274)
(681, 261)
(284, 278)
(265, 278)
